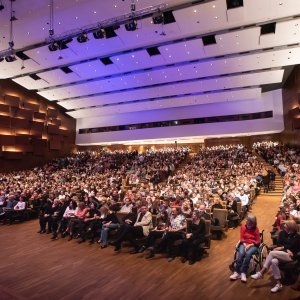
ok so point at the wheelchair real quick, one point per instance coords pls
(257, 259)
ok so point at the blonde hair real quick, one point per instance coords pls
(291, 226)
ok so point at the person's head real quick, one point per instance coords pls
(202, 208)
(290, 226)
(81, 205)
(143, 208)
(127, 201)
(196, 215)
(73, 204)
(104, 210)
(251, 222)
(175, 211)
(287, 211)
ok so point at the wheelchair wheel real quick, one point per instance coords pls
(235, 257)
(258, 259)
(263, 253)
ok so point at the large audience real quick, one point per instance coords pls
(152, 200)
(77, 195)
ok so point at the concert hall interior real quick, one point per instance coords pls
(149, 149)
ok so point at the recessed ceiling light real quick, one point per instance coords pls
(95, 12)
(216, 17)
(195, 10)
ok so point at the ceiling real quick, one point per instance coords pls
(209, 53)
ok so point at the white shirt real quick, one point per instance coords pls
(244, 199)
(20, 205)
(69, 212)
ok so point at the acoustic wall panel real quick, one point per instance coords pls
(5, 121)
(12, 100)
(24, 114)
(34, 107)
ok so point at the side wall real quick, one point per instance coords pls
(32, 129)
(291, 108)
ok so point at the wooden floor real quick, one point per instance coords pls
(33, 267)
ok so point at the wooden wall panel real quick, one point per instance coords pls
(32, 106)
(23, 140)
(4, 109)
(19, 123)
(296, 123)
(53, 129)
(12, 100)
(291, 101)
(37, 126)
(7, 140)
(20, 130)
(56, 122)
(52, 113)
(64, 132)
(24, 113)
(5, 121)
(39, 115)
(55, 145)
(12, 155)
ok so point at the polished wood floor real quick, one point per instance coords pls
(34, 267)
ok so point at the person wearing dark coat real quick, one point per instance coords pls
(194, 237)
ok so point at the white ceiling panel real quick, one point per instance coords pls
(235, 95)
(237, 81)
(202, 18)
(239, 58)
(171, 74)
(94, 69)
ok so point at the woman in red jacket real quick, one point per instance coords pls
(249, 243)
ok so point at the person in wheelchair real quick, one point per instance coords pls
(286, 250)
(248, 245)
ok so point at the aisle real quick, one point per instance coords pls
(33, 267)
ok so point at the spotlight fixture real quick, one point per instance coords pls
(99, 34)
(1, 59)
(53, 46)
(158, 18)
(61, 45)
(131, 25)
(82, 38)
(1, 5)
(10, 58)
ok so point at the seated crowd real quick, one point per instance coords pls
(79, 196)
(285, 250)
